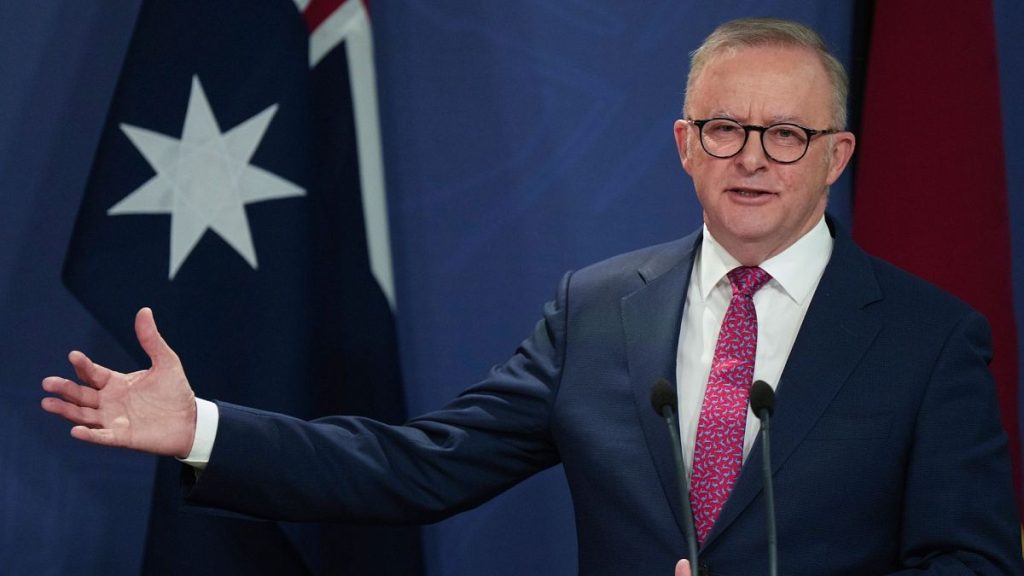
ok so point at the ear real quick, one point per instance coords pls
(843, 144)
(682, 132)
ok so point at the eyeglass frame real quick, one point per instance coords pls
(810, 132)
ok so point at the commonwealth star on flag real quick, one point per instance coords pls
(238, 191)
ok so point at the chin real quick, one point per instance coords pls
(748, 227)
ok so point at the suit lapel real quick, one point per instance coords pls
(835, 334)
(651, 318)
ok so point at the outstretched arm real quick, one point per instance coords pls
(151, 410)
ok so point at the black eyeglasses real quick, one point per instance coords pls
(784, 143)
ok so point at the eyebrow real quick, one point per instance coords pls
(779, 119)
(787, 120)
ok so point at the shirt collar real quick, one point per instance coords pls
(796, 269)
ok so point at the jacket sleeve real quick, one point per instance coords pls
(490, 437)
(959, 513)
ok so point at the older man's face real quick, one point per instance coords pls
(752, 205)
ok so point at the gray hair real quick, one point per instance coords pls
(751, 32)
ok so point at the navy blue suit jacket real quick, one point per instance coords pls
(887, 450)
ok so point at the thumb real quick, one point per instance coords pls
(683, 568)
(150, 339)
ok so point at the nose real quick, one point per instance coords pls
(752, 157)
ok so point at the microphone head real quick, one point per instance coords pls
(762, 398)
(662, 395)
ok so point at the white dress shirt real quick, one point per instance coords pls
(207, 419)
(781, 305)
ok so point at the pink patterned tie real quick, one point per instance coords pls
(718, 452)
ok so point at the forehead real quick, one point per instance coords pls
(763, 84)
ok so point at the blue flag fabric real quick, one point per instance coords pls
(225, 194)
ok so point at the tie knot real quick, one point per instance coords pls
(746, 280)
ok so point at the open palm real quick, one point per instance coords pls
(150, 410)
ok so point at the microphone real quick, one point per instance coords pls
(664, 400)
(762, 404)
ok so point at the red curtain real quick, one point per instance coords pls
(931, 193)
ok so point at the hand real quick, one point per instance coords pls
(150, 410)
(683, 568)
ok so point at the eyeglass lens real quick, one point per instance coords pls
(782, 142)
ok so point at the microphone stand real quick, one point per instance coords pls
(762, 403)
(684, 492)
(664, 400)
(769, 494)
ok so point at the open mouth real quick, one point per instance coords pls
(748, 193)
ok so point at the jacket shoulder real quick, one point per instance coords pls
(631, 270)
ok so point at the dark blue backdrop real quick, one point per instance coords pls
(520, 140)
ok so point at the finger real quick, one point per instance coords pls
(152, 342)
(683, 568)
(71, 412)
(101, 436)
(72, 392)
(88, 371)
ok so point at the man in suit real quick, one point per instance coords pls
(888, 453)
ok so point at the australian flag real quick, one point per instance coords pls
(238, 191)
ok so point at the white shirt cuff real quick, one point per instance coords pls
(207, 418)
